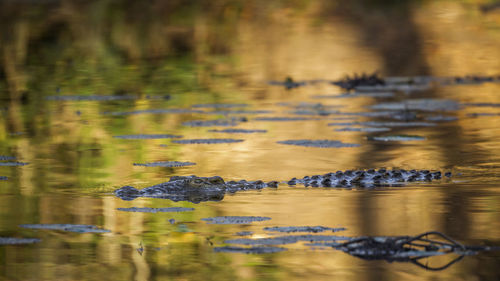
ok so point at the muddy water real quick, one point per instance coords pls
(64, 156)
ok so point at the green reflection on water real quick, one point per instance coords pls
(204, 52)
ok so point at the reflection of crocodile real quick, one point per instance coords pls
(367, 178)
(192, 188)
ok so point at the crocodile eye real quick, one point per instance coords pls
(216, 180)
(198, 181)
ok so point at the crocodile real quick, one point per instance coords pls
(368, 178)
(192, 188)
(197, 189)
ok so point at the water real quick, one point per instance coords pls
(171, 58)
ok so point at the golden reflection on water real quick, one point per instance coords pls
(226, 55)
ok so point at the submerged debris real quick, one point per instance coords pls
(319, 143)
(142, 137)
(156, 210)
(234, 219)
(17, 241)
(79, 228)
(408, 248)
(250, 250)
(206, 141)
(314, 229)
(167, 164)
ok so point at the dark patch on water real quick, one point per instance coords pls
(313, 229)
(206, 141)
(289, 239)
(363, 129)
(395, 88)
(228, 112)
(153, 111)
(357, 95)
(483, 114)
(167, 164)
(419, 104)
(17, 241)
(13, 163)
(383, 124)
(213, 123)
(482, 104)
(279, 119)
(396, 138)
(220, 105)
(319, 143)
(234, 219)
(7, 158)
(155, 210)
(238, 131)
(79, 228)
(314, 112)
(289, 83)
(244, 233)
(90, 98)
(142, 137)
(251, 250)
(3, 178)
(356, 81)
(441, 118)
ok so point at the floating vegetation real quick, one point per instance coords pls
(17, 241)
(251, 250)
(79, 228)
(167, 164)
(3, 178)
(314, 229)
(153, 111)
(219, 105)
(143, 137)
(206, 141)
(396, 138)
(289, 239)
(212, 123)
(279, 119)
(319, 143)
(419, 104)
(357, 95)
(13, 163)
(234, 219)
(7, 158)
(384, 124)
(156, 210)
(350, 83)
(363, 129)
(238, 131)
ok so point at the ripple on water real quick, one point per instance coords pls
(79, 228)
(143, 137)
(234, 219)
(13, 163)
(238, 131)
(419, 104)
(167, 164)
(313, 229)
(319, 143)
(396, 138)
(250, 250)
(155, 210)
(206, 141)
(17, 241)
